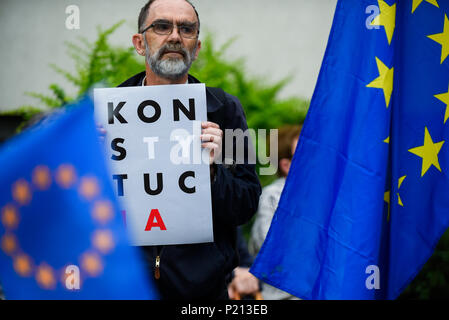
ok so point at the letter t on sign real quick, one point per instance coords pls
(150, 141)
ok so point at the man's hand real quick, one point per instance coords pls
(244, 283)
(211, 138)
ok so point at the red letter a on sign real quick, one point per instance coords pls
(159, 223)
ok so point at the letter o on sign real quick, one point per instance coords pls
(157, 111)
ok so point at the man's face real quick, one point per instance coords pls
(170, 56)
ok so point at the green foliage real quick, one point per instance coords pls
(100, 62)
(26, 112)
(260, 99)
(97, 62)
(433, 280)
(59, 97)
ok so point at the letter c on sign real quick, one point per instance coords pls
(182, 184)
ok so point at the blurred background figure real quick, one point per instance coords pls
(2, 295)
(244, 285)
(287, 141)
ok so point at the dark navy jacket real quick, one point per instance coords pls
(200, 271)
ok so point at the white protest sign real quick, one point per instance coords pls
(158, 167)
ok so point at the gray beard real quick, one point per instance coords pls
(172, 69)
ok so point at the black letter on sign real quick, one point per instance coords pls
(157, 111)
(182, 179)
(120, 178)
(115, 112)
(115, 147)
(177, 105)
(160, 186)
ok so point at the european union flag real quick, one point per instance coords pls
(61, 232)
(367, 196)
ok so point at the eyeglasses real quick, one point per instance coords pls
(163, 28)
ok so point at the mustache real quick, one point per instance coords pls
(173, 47)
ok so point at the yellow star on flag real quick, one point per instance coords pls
(386, 18)
(428, 152)
(416, 4)
(401, 179)
(384, 81)
(443, 39)
(444, 97)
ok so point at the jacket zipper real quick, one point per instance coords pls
(157, 271)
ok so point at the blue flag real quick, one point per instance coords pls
(61, 231)
(367, 196)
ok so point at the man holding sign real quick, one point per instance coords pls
(168, 39)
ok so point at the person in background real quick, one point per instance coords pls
(243, 283)
(288, 139)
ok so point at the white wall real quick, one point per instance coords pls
(277, 38)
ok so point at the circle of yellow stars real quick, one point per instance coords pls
(65, 177)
